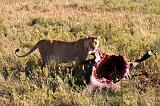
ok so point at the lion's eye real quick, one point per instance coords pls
(94, 43)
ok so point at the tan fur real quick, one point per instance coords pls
(62, 52)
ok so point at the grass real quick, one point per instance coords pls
(127, 27)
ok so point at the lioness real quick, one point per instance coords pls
(62, 52)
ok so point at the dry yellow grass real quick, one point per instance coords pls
(128, 27)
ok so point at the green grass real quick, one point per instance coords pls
(127, 27)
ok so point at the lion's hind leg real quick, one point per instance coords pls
(43, 63)
(46, 60)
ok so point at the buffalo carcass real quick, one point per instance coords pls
(108, 70)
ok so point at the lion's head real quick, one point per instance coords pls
(91, 43)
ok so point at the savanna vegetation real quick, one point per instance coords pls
(126, 27)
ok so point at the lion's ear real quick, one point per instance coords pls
(98, 38)
(86, 36)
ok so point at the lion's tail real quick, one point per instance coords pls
(34, 48)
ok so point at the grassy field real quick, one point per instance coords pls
(127, 27)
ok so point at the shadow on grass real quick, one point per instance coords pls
(30, 68)
(5, 73)
(75, 76)
(6, 94)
